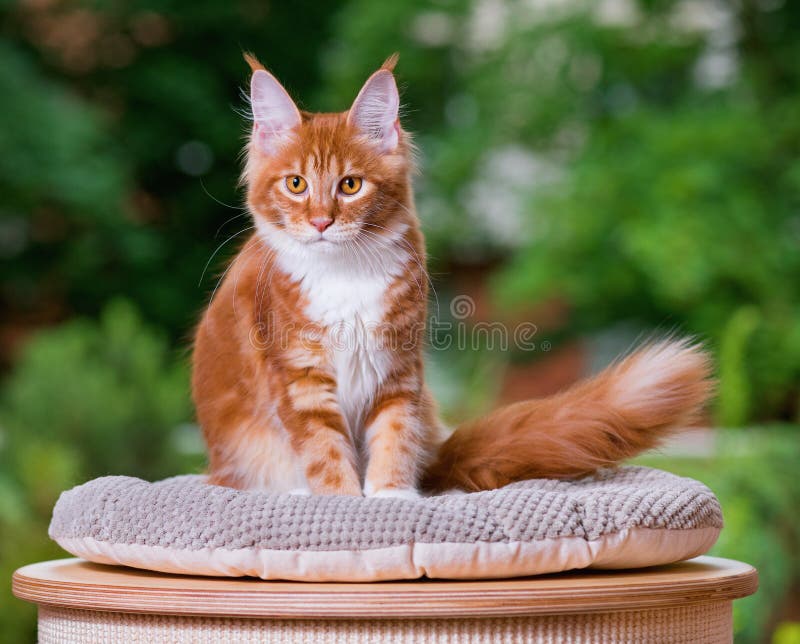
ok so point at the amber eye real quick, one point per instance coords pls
(350, 185)
(296, 184)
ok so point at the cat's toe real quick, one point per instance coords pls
(395, 493)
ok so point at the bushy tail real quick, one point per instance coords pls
(627, 408)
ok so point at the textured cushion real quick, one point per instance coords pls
(622, 518)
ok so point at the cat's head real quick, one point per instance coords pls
(327, 181)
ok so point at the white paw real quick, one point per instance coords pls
(454, 492)
(300, 491)
(394, 493)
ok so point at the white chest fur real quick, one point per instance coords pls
(352, 307)
(346, 293)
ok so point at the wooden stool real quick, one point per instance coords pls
(683, 602)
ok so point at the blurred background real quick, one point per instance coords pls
(602, 169)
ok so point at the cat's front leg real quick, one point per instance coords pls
(319, 434)
(393, 442)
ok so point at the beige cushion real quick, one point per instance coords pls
(622, 518)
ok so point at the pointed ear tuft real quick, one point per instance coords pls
(375, 110)
(274, 112)
(251, 60)
(390, 63)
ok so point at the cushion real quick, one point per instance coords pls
(618, 518)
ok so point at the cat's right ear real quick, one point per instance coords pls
(274, 113)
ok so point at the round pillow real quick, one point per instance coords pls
(619, 518)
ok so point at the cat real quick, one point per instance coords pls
(308, 373)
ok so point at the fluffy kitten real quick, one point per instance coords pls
(308, 371)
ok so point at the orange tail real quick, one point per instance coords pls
(627, 408)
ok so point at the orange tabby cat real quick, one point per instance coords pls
(308, 371)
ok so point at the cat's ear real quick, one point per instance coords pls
(375, 110)
(274, 112)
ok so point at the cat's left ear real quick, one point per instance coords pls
(376, 109)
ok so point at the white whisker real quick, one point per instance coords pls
(408, 246)
(387, 246)
(225, 272)
(205, 268)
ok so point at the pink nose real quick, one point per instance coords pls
(321, 223)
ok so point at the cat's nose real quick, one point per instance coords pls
(321, 223)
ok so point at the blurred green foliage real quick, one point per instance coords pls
(651, 210)
(787, 633)
(108, 393)
(636, 160)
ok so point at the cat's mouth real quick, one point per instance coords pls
(320, 238)
(327, 240)
(322, 242)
